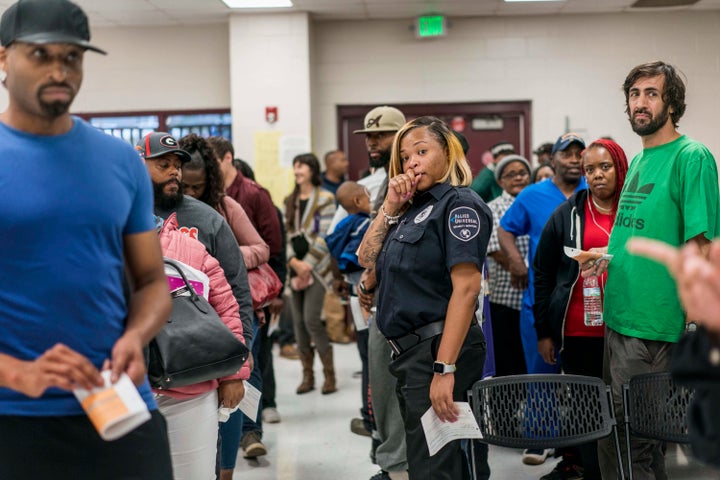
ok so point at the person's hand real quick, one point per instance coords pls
(441, 397)
(261, 319)
(303, 269)
(594, 267)
(366, 299)
(697, 277)
(60, 367)
(518, 274)
(401, 188)
(341, 288)
(546, 349)
(276, 305)
(251, 360)
(127, 356)
(230, 393)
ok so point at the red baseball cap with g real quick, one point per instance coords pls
(157, 144)
(46, 21)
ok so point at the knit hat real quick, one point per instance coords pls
(507, 160)
(502, 147)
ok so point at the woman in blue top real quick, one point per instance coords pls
(428, 247)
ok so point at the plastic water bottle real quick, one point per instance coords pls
(593, 302)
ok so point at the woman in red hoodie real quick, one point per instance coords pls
(191, 411)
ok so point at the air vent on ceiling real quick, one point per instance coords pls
(663, 3)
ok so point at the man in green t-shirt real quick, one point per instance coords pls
(485, 183)
(671, 194)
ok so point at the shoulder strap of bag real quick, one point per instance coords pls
(309, 213)
(193, 294)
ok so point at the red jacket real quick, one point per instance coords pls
(177, 246)
(258, 205)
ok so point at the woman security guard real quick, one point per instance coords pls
(428, 246)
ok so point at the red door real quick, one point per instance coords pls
(483, 124)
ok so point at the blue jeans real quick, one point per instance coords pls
(533, 360)
(232, 431)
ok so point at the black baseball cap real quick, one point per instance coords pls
(157, 144)
(46, 21)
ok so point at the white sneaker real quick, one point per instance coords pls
(270, 415)
(537, 456)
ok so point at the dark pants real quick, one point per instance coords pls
(509, 354)
(232, 431)
(256, 380)
(413, 370)
(366, 410)
(69, 448)
(624, 358)
(584, 356)
(264, 361)
(286, 331)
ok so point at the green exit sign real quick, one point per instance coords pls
(431, 26)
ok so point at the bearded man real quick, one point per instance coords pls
(671, 194)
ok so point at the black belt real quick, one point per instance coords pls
(404, 343)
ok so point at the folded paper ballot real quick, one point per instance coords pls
(114, 409)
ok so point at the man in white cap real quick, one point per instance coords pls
(77, 221)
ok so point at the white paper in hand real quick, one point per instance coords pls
(250, 402)
(114, 409)
(357, 314)
(439, 433)
(583, 256)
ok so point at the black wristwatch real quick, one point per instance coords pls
(365, 291)
(442, 368)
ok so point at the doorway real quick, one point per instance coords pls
(484, 124)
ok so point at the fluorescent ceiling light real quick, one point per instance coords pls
(258, 3)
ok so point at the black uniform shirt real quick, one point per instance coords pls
(443, 227)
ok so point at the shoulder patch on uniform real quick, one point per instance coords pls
(464, 223)
(424, 214)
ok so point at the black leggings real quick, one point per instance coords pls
(584, 356)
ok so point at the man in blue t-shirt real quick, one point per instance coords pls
(77, 218)
(527, 216)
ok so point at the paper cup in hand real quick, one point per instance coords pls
(114, 410)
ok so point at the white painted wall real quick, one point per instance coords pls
(270, 67)
(566, 65)
(160, 68)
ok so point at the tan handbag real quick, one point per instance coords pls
(334, 314)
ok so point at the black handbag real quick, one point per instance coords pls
(195, 345)
(300, 244)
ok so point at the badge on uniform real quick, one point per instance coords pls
(424, 214)
(464, 223)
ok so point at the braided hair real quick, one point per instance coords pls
(619, 160)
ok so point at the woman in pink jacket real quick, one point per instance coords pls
(202, 179)
(191, 411)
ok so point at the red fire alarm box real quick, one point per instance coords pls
(271, 114)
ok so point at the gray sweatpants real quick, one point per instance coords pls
(624, 358)
(390, 454)
(306, 311)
